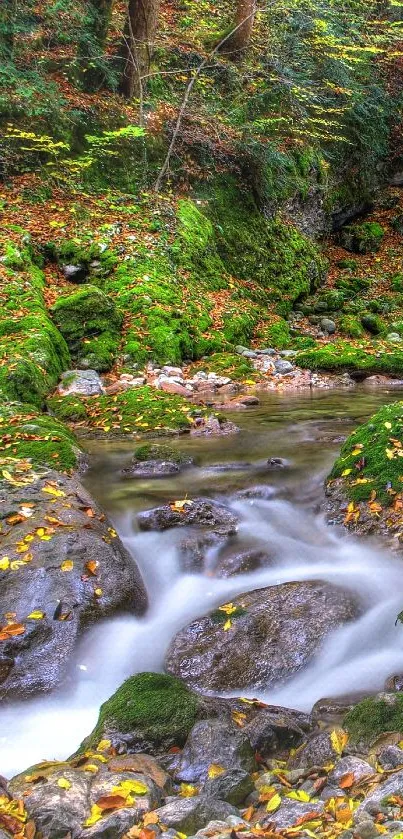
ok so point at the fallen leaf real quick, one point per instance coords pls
(347, 781)
(273, 804)
(215, 770)
(63, 783)
(339, 740)
(67, 565)
(37, 615)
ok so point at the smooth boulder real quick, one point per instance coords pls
(201, 512)
(63, 567)
(270, 634)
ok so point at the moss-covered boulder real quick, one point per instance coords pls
(159, 451)
(360, 360)
(370, 462)
(351, 326)
(374, 716)
(362, 238)
(67, 408)
(148, 712)
(33, 353)
(90, 323)
(373, 324)
(26, 435)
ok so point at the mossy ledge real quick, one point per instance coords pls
(370, 465)
(38, 438)
(360, 360)
(152, 709)
(374, 716)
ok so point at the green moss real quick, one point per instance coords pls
(373, 324)
(33, 353)
(195, 248)
(90, 323)
(226, 364)
(67, 408)
(362, 238)
(367, 359)
(352, 285)
(374, 716)
(43, 440)
(152, 706)
(276, 334)
(369, 458)
(351, 326)
(156, 451)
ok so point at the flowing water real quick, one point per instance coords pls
(303, 428)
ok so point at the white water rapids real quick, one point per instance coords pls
(358, 657)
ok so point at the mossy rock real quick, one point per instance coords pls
(374, 716)
(90, 324)
(149, 711)
(141, 410)
(157, 451)
(352, 285)
(362, 238)
(379, 465)
(351, 326)
(365, 360)
(225, 364)
(276, 334)
(373, 324)
(41, 439)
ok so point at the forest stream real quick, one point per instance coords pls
(305, 430)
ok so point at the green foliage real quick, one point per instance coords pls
(362, 238)
(374, 716)
(36, 437)
(226, 364)
(152, 707)
(158, 451)
(351, 326)
(67, 408)
(381, 467)
(364, 360)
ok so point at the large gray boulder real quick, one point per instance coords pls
(261, 639)
(63, 568)
(202, 513)
(188, 815)
(214, 742)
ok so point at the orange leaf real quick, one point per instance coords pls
(111, 802)
(347, 781)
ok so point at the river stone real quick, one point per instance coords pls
(350, 765)
(83, 382)
(59, 812)
(256, 492)
(328, 326)
(79, 573)
(282, 366)
(392, 785)
(188, 815)
(290, 812)
(75, 273)
(233, 786)
(275, 632)
(213, 427)
(214, 741)
(317, 751)
(274, 729)
(242, 563)
(194, 549)
(201, 512)
(150, 469)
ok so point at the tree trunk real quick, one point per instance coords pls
(242, 25)
(138, 43)
(91, 48)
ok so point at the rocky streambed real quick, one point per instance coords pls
(217, 567)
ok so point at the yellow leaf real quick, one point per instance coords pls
(345, 473)
(238, 718)
(90, 767)
(16, 563)
(4, 563)
(67, 565)
(37, 616)
(53, 491)
(215, 770)
(227, 625)
(98, 592)
(388, 425)
(298, 795)
(63, 783)
(339, 740)
(228, 608)
(390, 453)
(103, 745)
(137, 787)
(188, 791)
(96, 815)
(273, 804)
(357, 450)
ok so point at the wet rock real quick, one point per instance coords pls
(242, 563)
(150, 469)
(191, 814)
(62, 799)
(201, 512)
(316, 752)
(249, 401)
(194, 550)
(213, 426)
(290, 812)
(233, 786)
(249, 354)
(77, 574)
(274, 729)
(169, 386)
(75, 273)
(391, 757)
(264, 364)
(238, 466)
(214, 742)
(350, 765)
(276, 463)
(283, 366)
(372, 803)
(84, 382)
(240, 349)
(333, 710)
(264, 492)
(274, 632)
